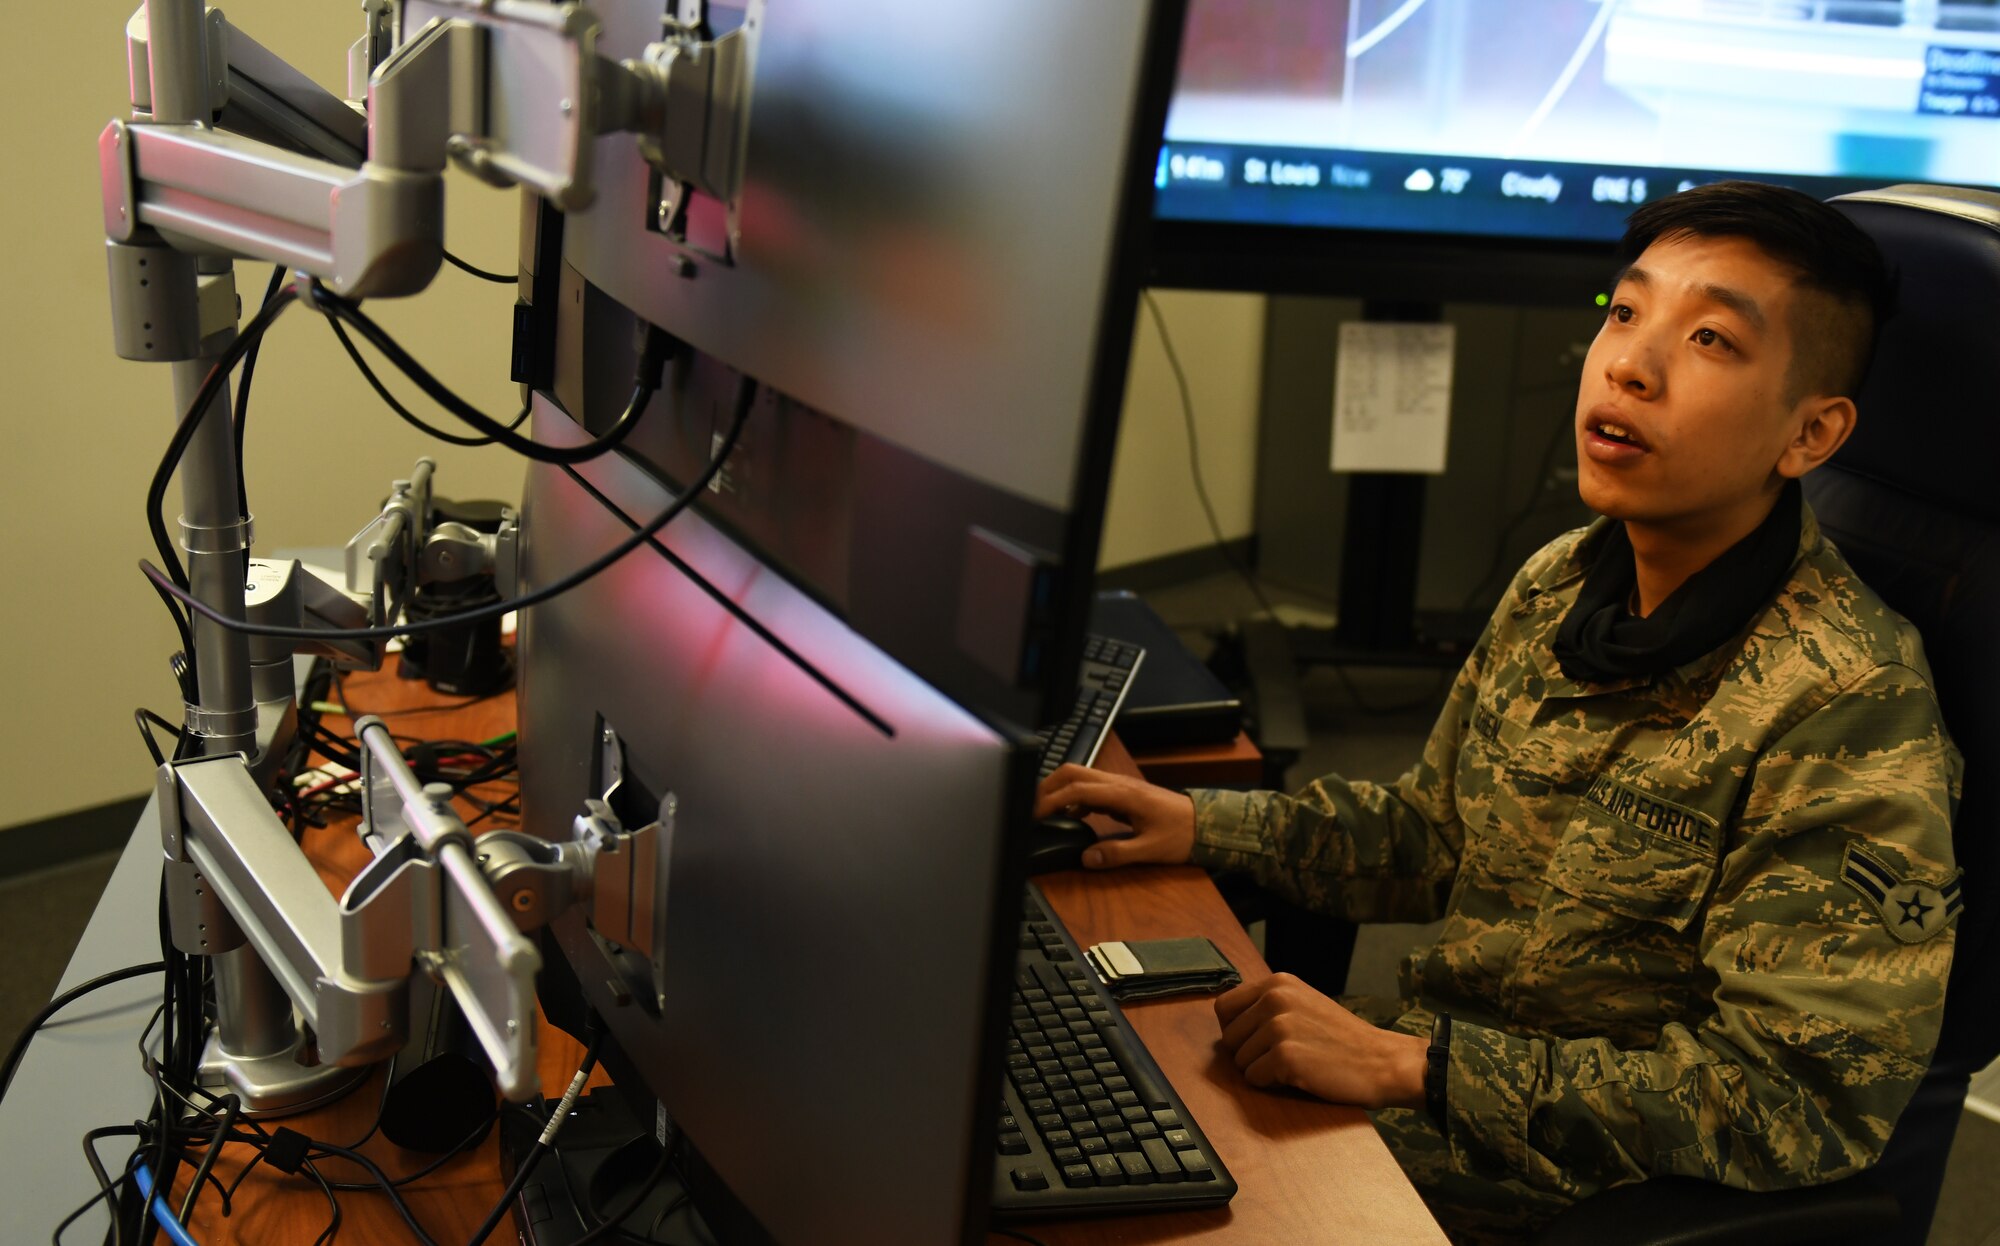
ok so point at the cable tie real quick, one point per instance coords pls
(228, 538)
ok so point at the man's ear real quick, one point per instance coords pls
(1822, 425)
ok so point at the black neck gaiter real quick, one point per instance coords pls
(1601, 639)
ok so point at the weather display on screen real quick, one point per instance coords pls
(1555, 118)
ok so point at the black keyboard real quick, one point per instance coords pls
(1108, 670)
(1088, 1123)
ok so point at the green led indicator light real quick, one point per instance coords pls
(1604, 300)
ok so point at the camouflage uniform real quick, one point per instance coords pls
(1696, 924)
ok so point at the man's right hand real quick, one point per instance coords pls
(1162, 820)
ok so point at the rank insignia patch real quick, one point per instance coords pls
(1912, 909)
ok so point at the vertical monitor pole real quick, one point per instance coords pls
(1384, 534)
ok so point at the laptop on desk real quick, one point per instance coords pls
(1175, 701)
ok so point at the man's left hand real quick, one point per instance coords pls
(1281, 1032)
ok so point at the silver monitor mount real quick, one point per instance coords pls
(229, 154)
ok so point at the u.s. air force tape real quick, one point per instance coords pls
(1913, 909)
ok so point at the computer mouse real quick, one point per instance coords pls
(1058, 844)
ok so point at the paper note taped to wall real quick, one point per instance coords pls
(1392, 397)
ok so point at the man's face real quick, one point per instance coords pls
(1683, 410)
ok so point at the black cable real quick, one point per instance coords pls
(321, 1150)
(482, 274)
(332, 1229)
(1194, 457)
(381, 1105)
(62, 1001)
(1536, 501)
(745, 400)
(653, 357)
(396, 1183)
(218, 376)
(410, 417)
(106, 1187)
(183, 669)
(546, 1143)
(146, 734)
(232, 1107)
(611, 1223)
(243, 394)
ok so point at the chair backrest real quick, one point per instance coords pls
(1913, 501)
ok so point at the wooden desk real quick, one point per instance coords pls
(1307, 1171)
(1235, 764)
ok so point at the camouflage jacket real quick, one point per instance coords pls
(1696, 924)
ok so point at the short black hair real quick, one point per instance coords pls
(1833, 335)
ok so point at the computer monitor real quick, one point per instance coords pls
(823, 678)
(1459, 149)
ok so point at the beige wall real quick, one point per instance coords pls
(84, 638)
(1153, 510)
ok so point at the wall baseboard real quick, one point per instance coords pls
(1178, 568)
(68, 837)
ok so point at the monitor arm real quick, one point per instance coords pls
(433, 900)
(230, 153)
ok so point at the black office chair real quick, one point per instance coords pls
(1913, 500)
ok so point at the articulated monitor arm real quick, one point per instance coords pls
(230, 153)
(432, 901)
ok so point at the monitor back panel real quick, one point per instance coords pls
(823, 967)
(924, 242)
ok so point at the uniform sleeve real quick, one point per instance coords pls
(1364, 851)
(1823, 989)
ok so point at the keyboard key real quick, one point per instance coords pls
(1066, 1094)
(1074, 1063)
(1095, 1145)
(1040, 1052)
(1023, 1074)
(1109, 1171)
(1058, 1081)
(1030, 1177)
(1050, 1065)
(1047, 1121)
(1075, 1112)
(1150, 1091)
(1101, 1107)
(1162, 1160)
(1196, 1165)
(1040, 1103)
(1121, 1141)
(1125, 1098)
(1145, 1129)
(1067, 1155)
(1079, 1174)
(1013, 1143)
(1031, 1090)
(1072, 1016)
(1179, 1139)
(1114, 1081)
(1007, 1120)
(1167, 1118)
(1068, 1049)
(1111, 1123)
(1137, 1170)
(1085, 1128)
(1135, 1113)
